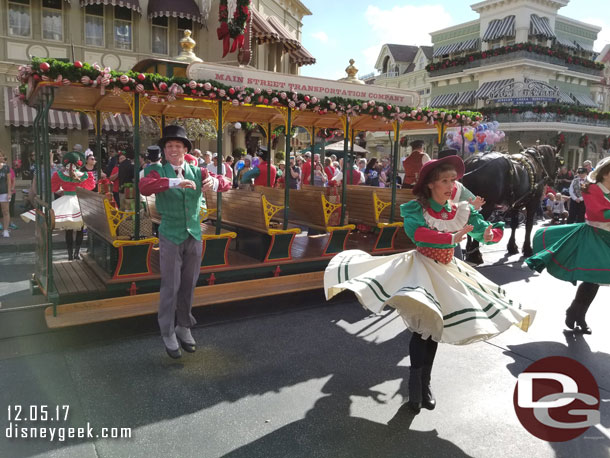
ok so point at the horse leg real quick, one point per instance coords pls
(530, 211)
(512, 247)
(473, 254)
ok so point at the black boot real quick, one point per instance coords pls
(428, 401)
(580, 319)
(415, 390)
(571, 315)
(69, 244)
(77, 252)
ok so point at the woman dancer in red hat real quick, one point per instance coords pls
(440, 298)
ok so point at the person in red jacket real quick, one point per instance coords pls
(260, 172)
(66, 208)
(413, 163)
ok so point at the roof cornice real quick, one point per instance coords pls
(492, 4)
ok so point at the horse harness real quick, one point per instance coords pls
(526, 158)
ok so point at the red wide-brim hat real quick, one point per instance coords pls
(455, 161)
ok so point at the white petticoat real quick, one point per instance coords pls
(67, 213)
(452, 303)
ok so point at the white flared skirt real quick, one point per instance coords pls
(452, 303)
(67, 214)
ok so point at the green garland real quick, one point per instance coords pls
(530, 47)
(159, 88)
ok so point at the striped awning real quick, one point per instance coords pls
(262, 30)
(17, 113)
(121, 122)
(487, 88)
(469, 45)
(131, 4)
(583, 46)
(302, 57)
(465, 98)
(540, 27)
(584, 100)
(564, 97)
(444, 100)
(565, 42)
(186, 9)
(289, 42)
(500, 28)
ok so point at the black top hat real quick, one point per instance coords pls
(153, 153)
(174, 132)
(416, 144)
(447, 152)
(262, 152)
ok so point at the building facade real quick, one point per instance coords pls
(523, 64)
(120, 33)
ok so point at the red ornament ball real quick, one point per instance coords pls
(45, 67)
(126, 88)
(231, 91)
(141, 76)
(78, 64)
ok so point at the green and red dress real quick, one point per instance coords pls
(579, 251)
(436, 295)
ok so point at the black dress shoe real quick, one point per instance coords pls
(583, 327)
(189, 348)
(571, 316)
(174, 354)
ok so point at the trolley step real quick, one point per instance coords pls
(79, 313)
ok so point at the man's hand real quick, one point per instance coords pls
(477, 202)
(459, 235)
(187, 184)
(206, 184)
(488, 234)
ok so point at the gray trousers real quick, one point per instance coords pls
(179, 273)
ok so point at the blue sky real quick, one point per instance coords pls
(339, 30)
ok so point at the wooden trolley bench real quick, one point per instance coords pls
(215, 251)
(118, 256)
(251, 214)
(311, 208)
(370, 206)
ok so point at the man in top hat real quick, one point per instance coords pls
(413, 163)
(260, 172)
(178, 187)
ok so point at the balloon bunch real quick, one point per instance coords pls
(480, 138)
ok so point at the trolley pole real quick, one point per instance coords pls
(286, 188)
(136, 165)
(345, 166)
(394, 168)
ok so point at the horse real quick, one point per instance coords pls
(515, 180)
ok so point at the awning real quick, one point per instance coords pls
(262, 30)
(131, 4)
(487, 88)
(460, 46)
(564, 97)
(121, 122)
(302, 57)
(465, 98)
(585, 100)
(284, 36)
(186, 9)
(469, 45)
(500, 28)
(17, 113)
(444, 100)
(565, 42)
(583, 46)
(540, 27)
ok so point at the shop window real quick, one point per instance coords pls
(52, 20)
(183, 24)
(94, 25)
(19, 18)
(122, 28)
(159, 35)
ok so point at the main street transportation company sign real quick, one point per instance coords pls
(236, 76)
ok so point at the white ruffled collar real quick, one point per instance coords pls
(459, 220)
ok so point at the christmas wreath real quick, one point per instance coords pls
(583, 141)
(404, 141)
(560, 140)
(234, 28)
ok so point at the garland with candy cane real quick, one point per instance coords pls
(234, 28)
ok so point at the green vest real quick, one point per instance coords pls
(179, 208)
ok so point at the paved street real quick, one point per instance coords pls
(300, 377)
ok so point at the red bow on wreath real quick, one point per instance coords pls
(235, 28)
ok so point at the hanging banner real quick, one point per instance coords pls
(237, 76)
